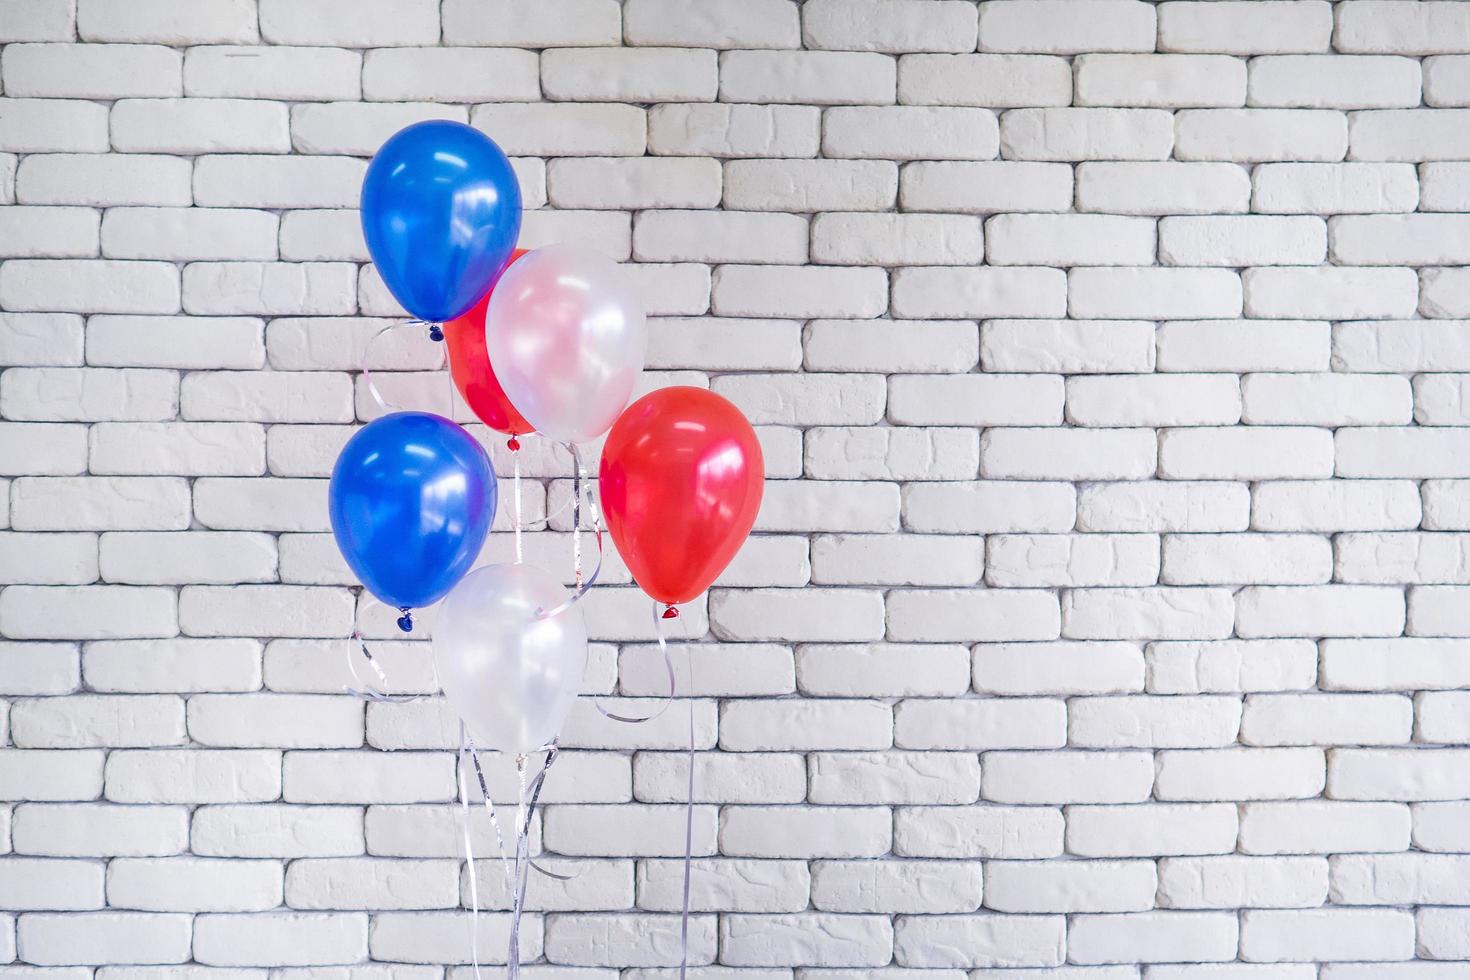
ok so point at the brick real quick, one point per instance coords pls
(945, 293)
(1134, 292)
(272, 72)
(1334, 188)
(574, 23)
(999, 81)
(1410, 135)
(733, 131)
(1162, 188)
(629, 75)
(1162, 81)
(1054, 27)
(876, 25)
(81, 71)
(910, 132)
(1317, 82)
(1245, 28)
(1256, 135)
(1330, 293)
(710, 23)
(1086, 134)
(986, 187)
(1242, 240)
(808, 77)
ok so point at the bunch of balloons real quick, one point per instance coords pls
(548, 341)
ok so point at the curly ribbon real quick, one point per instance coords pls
(435, 334)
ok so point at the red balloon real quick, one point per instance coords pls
(469, 366)
(681, 481)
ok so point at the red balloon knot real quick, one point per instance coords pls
(671, 613)
(513, 444)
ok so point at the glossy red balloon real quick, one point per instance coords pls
(681, 482)
(469, 366)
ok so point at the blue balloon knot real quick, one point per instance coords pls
(405, 622)
(435, 333)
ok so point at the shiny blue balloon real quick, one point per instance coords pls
(441, 210)
(411, 499)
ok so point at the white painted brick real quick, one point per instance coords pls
(720, 236)
(893, 777)
(358, 129)
(999, 81)
(885, 25)
(1163, 81)
(361, 25)
(280, 939)
(1043, 560)
(448, 75)
(1254, 135)
(1056, 27)
(53, 126)
(981, 724)
(1242, 240)
(878, 453)
(95, 612)
(1067, 346)
(1444, 505)
(1410, 135)
(979, 292)
(177, 342)
(1067, 454)
(1164, 612)
(647, 182)
(1228, 881)
(1330, 293)
(1178, 399)
(1167, 187)
(43, 339)
(273, 72)
(40, 20)
(1067, 777)
(909, 133)
(505, 23)
(1058, 668)
(564, 129)
(54, 939)
(1317, 82)
(977, 400)
(1174, 294)
(710, 23)
(209, 22)
(90, 722)
(1151, 829)
(808, 77)
(985, 187)
(1244, 27)
(1226, 559)
(100, 503)
(284, 182)
(1334, 188)
(977, 614)
(629, 75)
(896, 239)
(1240, 774)
(978, 831)
(1069, 239)
(1327, 934)
(882, 669)
(877, 886)
(88, 394)
(1334, 506)
(48, 559)
(727, 131)
(1319, 610)
(179, 665)
(1073, 886)
(1445, 80)
(767, 614)
(1326, 399)
(199, 126)
(983, 941)
(70, 285)
(83, 71)
(873, 559)
(1086, 134)
(793, 291)
(1443, 293)
(808, 832)
(978, 508)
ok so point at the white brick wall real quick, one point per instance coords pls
(1106, 616)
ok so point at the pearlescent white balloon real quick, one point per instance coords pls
(565, 333)
(511, 675)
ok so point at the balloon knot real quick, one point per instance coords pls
(436, 333)
(405, 622)
(513, 444)
(671, 613)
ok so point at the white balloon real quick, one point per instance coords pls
(565, 334)
(511, 674)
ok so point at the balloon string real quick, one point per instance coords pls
(469, 849)
(576, 514)
(688, 795)
(374, 688)
(384, 405)
(583, 585)
(515, 455)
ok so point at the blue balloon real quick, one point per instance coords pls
(441, 210)
(411, 499)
